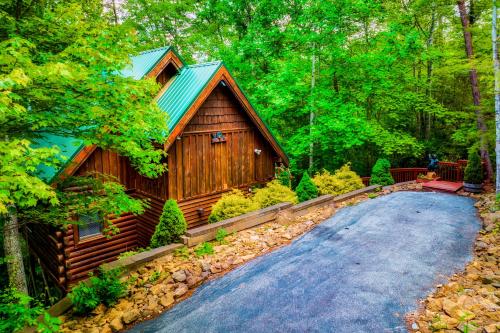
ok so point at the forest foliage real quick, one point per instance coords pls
(337, 81)
(391, 77)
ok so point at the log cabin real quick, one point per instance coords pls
(216, 142)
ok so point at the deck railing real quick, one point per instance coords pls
(449, 171)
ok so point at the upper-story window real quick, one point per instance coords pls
(166, 74)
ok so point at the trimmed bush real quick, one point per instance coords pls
(344, 180)
(474, 173)
(171, 227)
(381, 174)
(104, 288)
(232, 204)
(306, 189)
(274, 193)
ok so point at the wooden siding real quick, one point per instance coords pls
(200, 171)
(83, 256)
(47, 244)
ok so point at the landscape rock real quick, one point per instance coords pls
(180, 290)
(116, 324)
(179, 276)
(167, 300)
(130, 316)
(205, 266)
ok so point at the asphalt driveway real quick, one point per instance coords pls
(359, 271)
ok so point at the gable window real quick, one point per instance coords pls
(90, 225)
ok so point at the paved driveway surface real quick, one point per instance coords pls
(359, 271)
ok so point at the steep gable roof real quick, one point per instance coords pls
(143, 63)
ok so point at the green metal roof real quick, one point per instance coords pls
(143, 63)
(184, 89)
(68, 147)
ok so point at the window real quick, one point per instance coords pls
(90, 225)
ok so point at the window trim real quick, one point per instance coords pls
(86, 239)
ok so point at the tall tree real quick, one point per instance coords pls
(476, 96)
(496, 73)
(58, 77)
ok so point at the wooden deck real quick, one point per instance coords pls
(443, 186)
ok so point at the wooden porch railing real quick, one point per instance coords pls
(449, 171)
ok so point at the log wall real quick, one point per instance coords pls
(200, 171)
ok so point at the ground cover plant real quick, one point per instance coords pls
(105, 287)
(204, 249)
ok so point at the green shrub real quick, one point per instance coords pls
(84, 297)
(474, 173)
(274, 193)
(154, 277)
(344, 180)
(232, 204)
(171, 227)
(284, 177)
(221, 235)
(18, 310)
(306, 189)
(182, 252)
(204, 249)
(381, 174)
(104, 288)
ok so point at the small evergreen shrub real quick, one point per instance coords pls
(284, 177)
(232, 204)
(18, 310)
(306, 189)
(274, 193)
(474, 173)
(104, 288)
(344, 180)
(171, 227)
(381, 174)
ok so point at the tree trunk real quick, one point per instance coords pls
(13, 252)
(476, 96)
(496, 71)
(311, 113)
(115, 13)
(429, 44)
